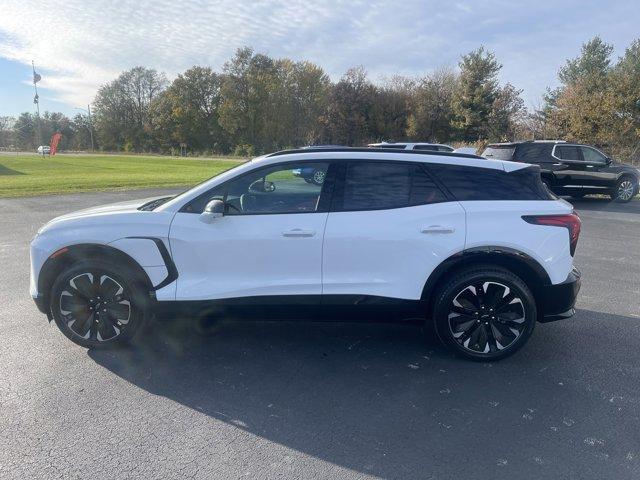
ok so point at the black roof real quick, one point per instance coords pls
(371, 149)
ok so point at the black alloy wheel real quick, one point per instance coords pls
(486, 317)
(625, 190)
(96, 307)
(485, 314)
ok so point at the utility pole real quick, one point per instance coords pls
(88, 110)
(36, 100)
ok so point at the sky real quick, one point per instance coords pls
(78, 45)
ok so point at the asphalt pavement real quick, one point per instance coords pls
(323, 400)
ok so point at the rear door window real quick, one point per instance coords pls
(386, 185)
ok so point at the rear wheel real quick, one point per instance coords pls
(625, 190)
(96, 305)
(485, 313)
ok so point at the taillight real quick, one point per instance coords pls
(570, 221)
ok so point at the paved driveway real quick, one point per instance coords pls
(310, 400)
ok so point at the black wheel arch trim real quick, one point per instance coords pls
(54, 264)
(57, 262)
(505, 257)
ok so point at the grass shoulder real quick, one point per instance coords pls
(28, 175)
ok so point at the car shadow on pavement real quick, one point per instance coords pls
(602, 204)
(382, 400)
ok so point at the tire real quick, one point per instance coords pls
(318, 177)
(626, 188)
(98, 305)
(489, 326)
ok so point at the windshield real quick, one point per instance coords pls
(175, 197)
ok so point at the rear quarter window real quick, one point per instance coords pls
(476, 183)
(499, 152)
(532, 153)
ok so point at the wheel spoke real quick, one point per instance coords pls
(493, 294)
(73, 304)
(106, 329)
(468, 300)
(83, 285)
(504, 302)
(463, 310)
(109, 287)
(475, 338)
(82, 325)
(462, 323)
(504, 334)
(479, 286)
(120, 311)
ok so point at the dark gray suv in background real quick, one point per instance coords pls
(572, 169)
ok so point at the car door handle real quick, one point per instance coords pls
(438, 229)
(298, 232)
(558, 164)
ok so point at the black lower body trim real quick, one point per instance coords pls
(303, 307)
(41, 303)
(556, 302)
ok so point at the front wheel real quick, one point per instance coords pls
(485, 313)
(625, 190)
(96, 305)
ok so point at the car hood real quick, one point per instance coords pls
(129, 207)
(126, 206)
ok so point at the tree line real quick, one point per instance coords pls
(258, 104)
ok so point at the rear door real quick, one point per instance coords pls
(389, 227)
(571, 170)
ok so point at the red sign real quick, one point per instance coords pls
(55, 139)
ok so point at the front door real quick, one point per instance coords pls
(599, 174)
(268, 243)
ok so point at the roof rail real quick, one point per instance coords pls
(371, 150)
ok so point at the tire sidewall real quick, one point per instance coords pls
(457, 283)
(126, 278)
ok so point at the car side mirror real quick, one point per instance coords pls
(214, 209)
(608, 161)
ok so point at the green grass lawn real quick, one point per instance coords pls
(27, 175)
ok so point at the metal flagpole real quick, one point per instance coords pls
(36, 100)
(90, 127)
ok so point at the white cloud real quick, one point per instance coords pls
(81, 44)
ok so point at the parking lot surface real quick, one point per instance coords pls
(324, 400)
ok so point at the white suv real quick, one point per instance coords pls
(478, 246)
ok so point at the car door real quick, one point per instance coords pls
(599, 174)
(268, 243)
(389, 227)
(570, 170)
